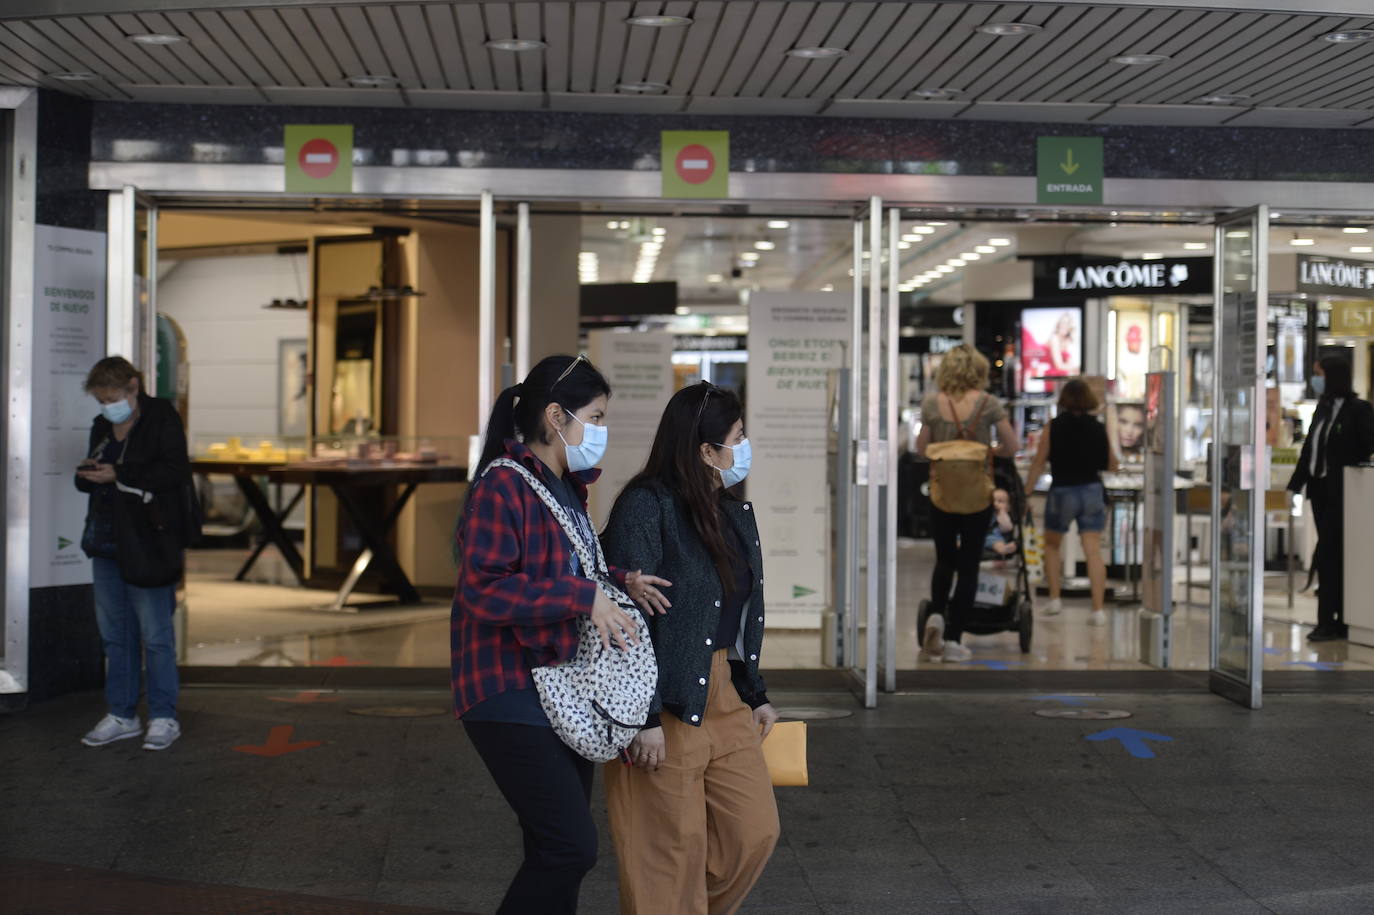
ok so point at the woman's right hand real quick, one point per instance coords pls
(613, 623)
(648, 749)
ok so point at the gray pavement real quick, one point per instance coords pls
(950, 802)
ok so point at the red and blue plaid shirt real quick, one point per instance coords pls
(518, 599)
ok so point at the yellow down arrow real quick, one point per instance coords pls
(1068, 165)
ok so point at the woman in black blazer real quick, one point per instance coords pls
(1342, 435)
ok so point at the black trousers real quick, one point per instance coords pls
(550, 788)
(1328, 511)
(958, 550)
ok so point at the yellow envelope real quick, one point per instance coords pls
(785, 752)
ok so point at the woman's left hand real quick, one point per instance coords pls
(765, 716)
(100, 473)
(643, 590)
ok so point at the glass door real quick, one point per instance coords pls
(131, 281)
(1238, 468)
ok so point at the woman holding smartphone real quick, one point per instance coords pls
(694, 819)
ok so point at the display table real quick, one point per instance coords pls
(245, 474)
(345, 479)
(1359, 571)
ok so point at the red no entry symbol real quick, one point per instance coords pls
(319, 158)
(695, 164)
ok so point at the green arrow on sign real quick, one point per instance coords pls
(1068, 165)
(63, 543)
(1068, 170)
(799, 591)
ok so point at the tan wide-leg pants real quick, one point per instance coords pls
(693, 837)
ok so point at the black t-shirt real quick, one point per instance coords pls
(732, 605)
(1078, 449)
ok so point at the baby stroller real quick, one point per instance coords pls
(1004, 602)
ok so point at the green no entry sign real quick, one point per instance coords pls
(319, 158)
(1068, 170)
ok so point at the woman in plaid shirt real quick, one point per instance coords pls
(520, 594)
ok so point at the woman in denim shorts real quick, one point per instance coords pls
(1075, 445)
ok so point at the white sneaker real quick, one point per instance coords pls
(933, 642)
(112, 728)
(955, 653)
(162, 733)
(1053, 608)
(1097, 618)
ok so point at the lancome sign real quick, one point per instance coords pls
(1335, 276)
(1078, 276)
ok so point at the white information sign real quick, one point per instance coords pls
(795, 341)
(68, 338)
(639, 367)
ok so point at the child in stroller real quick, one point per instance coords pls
(1004, 601)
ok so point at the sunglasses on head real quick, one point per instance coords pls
(710, 389)
(568, 371)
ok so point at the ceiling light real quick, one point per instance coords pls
(659, 22)
(516, 44)
(910, 237)
(373, 81)
(1302, 242)
(660, 231)
(1195, 246)
(778, 223)
(1139, 60)
(999, 242)
(715, 278)
(944, 268)
(1238, 233)
(904, 245)
(1152, 256)
(1349, 35)
(923, 230)
(73, 76)
(956, 262)
(749, 256)
(936, 92)
(1223, 98)
(157, 38)
(1354, 230)
(970, 256)
(1009, 29)
(937, 223)
(828, 287)
(764, 245)
(985, 249)
(1361, 249)
(642, 87)
(816, 53)
(682, 310)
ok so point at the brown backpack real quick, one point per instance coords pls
(961, 469)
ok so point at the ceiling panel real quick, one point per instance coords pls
(1175, 115)
(1042, 112)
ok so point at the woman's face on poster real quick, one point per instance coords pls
(1130, 425)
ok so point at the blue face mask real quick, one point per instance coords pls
(592, 449)
(116, 412)
(736, 472)
(1319, 385)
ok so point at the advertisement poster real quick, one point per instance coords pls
(1291, 363)
(639, 367)
(1126, 430)
(68, 338)
(1051, 346)
(795, 341)
(1132, 353)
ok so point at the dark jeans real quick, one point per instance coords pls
(550, 788)
(1328, 512)
(958, 549)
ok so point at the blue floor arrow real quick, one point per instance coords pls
(1132, 739)
(1315, 665)
(1274, 651)
(994, 665)
(1067, 700)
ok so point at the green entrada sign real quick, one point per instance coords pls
(1068, 170)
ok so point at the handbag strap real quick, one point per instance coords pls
(966, 432)
(592, 559)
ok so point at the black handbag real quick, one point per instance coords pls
(150, 541)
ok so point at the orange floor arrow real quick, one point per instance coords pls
(279, 743)
(306, 696)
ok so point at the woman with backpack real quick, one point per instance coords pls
(957, 423)
(1076, 447)
(521, 592)
(693, 818)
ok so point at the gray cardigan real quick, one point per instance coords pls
(649, 530)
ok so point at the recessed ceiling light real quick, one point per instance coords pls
(1302, 242)
(1354, 230)
(1009, 29)
(658, 22)
(1152, 256)
(73, 76)
(642, 87)
(715, 278)
(971, 256)
(1195, 245)
(660, 231)
(828, 287)
(1361, 249)
(1139, 60)
(937, 224)
(778, 223)
(985, 249)
(373, 82)
(816, 53)
(923, 230)
(936, 92)
(516, 44)
(956, 262)
(1223, 98)
(904, 245)
(944, 268)
(911, 236)
(749, 256)
(764, 245)
(157, 38)
(999, 242)
(1238, 233)
(1348, 36)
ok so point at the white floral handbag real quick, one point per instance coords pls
(598, 700)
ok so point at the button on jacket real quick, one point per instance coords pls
(650, 530)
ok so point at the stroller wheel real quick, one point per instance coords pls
(1026, 625)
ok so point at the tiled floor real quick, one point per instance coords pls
(268, 624)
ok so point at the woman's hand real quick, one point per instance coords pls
(649, 749)
(613, 623)
(643, 590)
(765, 716)
(99, 473)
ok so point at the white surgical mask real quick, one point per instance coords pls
(593, 448)
(117, 412)
(1319, 385)
(736, 472)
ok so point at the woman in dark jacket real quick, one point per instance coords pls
(1342, 435)
(694, 820)
(520, 594)
(137, 473)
